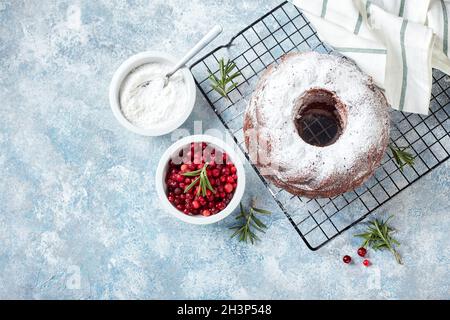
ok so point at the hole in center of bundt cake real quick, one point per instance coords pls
(320, 117)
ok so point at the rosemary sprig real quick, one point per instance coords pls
(224, 83)
(402, 157)
(248, 221)
(202, 178)
(378, 237)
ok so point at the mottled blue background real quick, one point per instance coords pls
(77, 197)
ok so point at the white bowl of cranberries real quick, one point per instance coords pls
(200, 179)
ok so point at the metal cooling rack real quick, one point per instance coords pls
(317, 221)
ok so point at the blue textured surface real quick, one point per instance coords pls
(79, 216)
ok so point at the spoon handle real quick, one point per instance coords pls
(210, 36)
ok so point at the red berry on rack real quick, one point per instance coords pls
(366, 262)
(347, 259)
(362, 252)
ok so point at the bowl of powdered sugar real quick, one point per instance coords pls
(143, 103)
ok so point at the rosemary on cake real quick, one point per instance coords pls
(224, 83)
(378, 236)
(249, 224)
(401, 156)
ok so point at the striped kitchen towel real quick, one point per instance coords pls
(397, 42)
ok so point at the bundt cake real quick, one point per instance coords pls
(316, 125)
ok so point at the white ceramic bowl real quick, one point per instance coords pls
(129, 65)
(163, 166)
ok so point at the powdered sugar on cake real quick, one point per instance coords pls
(304, 165)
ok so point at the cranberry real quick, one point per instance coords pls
(362, 252)
(228, 188)
(206, 213)
(172, 183)
(195, 204)
(184, 167)
(216, 172)
(177, 191)
(225, 171)
(170, 198)
(233, 169)
(366, 262)
(230, 179)
(347, 259)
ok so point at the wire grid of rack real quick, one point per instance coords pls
(317, 221)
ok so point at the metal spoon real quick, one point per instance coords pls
(210, 36)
